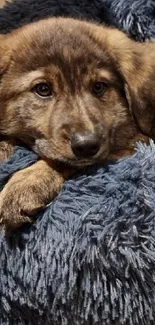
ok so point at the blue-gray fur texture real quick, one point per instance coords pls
(89, 257)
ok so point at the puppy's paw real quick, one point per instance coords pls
(27, 192)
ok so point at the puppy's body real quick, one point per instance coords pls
(77, 94)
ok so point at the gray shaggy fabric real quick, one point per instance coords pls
(135, 17)
(89, 257)
(20, 12)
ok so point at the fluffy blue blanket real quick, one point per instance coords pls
(89, 258)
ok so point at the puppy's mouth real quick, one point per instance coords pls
(43, 148)
(77, 163)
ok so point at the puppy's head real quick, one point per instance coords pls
(68, 89)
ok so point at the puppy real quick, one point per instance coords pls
(77, 94)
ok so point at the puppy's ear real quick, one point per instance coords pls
(137, 68)
(135, 64)
(141, 103)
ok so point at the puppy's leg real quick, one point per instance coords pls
(28, 191)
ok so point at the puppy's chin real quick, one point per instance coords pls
(45, 150)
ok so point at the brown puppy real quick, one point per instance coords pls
(77, 94)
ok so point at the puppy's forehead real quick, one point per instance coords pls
(64, 43)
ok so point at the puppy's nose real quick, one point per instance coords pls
(85, 144)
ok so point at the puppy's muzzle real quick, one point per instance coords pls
(85, 144)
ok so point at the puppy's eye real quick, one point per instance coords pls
(99, 88)
(43, 89)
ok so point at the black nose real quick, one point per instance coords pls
(85, 144)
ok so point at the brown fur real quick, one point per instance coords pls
(71, 55)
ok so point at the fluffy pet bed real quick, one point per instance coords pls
(89, 258)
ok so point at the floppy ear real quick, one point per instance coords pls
(142, 106)
(135, 64)
(137, 68)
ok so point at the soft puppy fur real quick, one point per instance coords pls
(78, 94)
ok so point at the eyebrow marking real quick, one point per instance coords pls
(26, 79)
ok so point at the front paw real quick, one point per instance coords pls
(27, 192)
(18, 202)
